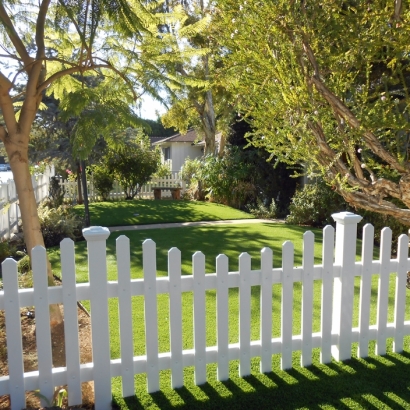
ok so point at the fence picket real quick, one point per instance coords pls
(125, 314)
(266, 310)
(222, 316)
(97, 266)
(400, 293)
(383, 296)
(365, 290)
(151, 315)
(43, 334)
(307, 298)
(13, 334)
(287, 304)
(336, 311)
(71, 322)
(198, 266)
(244, 314)
(327, 294)
(175, 317)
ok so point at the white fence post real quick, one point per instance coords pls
(13, 334)
(96, 237)
(345, 255)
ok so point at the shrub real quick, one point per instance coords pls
(260, 210)
(59, 223)
(314, 205)
(56, 192)
(103, 180)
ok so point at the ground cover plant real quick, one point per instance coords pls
(145, 211)
(375, 380)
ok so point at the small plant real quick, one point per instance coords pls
(260, 210)
(103, 180)
(58, 398)
(24, 265)
(59, 223)
(56, 192)
(314, 205)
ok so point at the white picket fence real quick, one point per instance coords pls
(9, 209)
(336, 274)
(117, 192)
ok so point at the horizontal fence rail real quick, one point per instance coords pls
(336, 274)
(117, 193)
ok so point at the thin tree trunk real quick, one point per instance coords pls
(79, 188)
(28, 207)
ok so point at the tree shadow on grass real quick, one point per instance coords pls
(374, 382)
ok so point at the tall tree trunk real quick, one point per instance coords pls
(79, 186)
(208, 122)
(17, 150)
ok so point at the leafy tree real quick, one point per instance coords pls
(134, 164)
(327, 84)
(53, 47)
(200, 101)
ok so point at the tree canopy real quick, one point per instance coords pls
(327, 84)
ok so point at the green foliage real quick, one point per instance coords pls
(327, 85)
(56, 192)
(59, 223)
(133, 165)
(225, 179)
(7, 250)
(314, 204)
(103, 180)
(260, 210)
(24, 265)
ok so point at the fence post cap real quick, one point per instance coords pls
(96, 233)
(347, 218)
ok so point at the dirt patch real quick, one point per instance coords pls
(28, 330)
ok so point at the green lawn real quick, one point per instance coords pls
(371, 383)
(145, 211)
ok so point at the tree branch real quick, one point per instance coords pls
(14, 37)
(371, 140)
(398, 6)
(41, 18)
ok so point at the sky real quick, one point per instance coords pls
(149, 108)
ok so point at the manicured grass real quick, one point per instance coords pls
(355, 384)
(145, 211)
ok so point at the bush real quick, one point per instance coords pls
(56, 192)
(59, 223)
(260, 210)
(103, 180)
(314, 205)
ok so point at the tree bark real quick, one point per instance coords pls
(17, 150)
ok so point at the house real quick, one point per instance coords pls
(177, 148)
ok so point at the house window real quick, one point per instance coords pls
(167, 153)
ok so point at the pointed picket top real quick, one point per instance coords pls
(328, 228)
(308, 235)
(8, 265)
(198, 256)
(148, 244)
(66, 241)
(386, 231)
(122, 239)
(174, 252)
(288, 245)
(266, 251)
(222, 260)
(368, 226)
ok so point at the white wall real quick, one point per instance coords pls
(180, 151)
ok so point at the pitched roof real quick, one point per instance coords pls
(190, 136)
